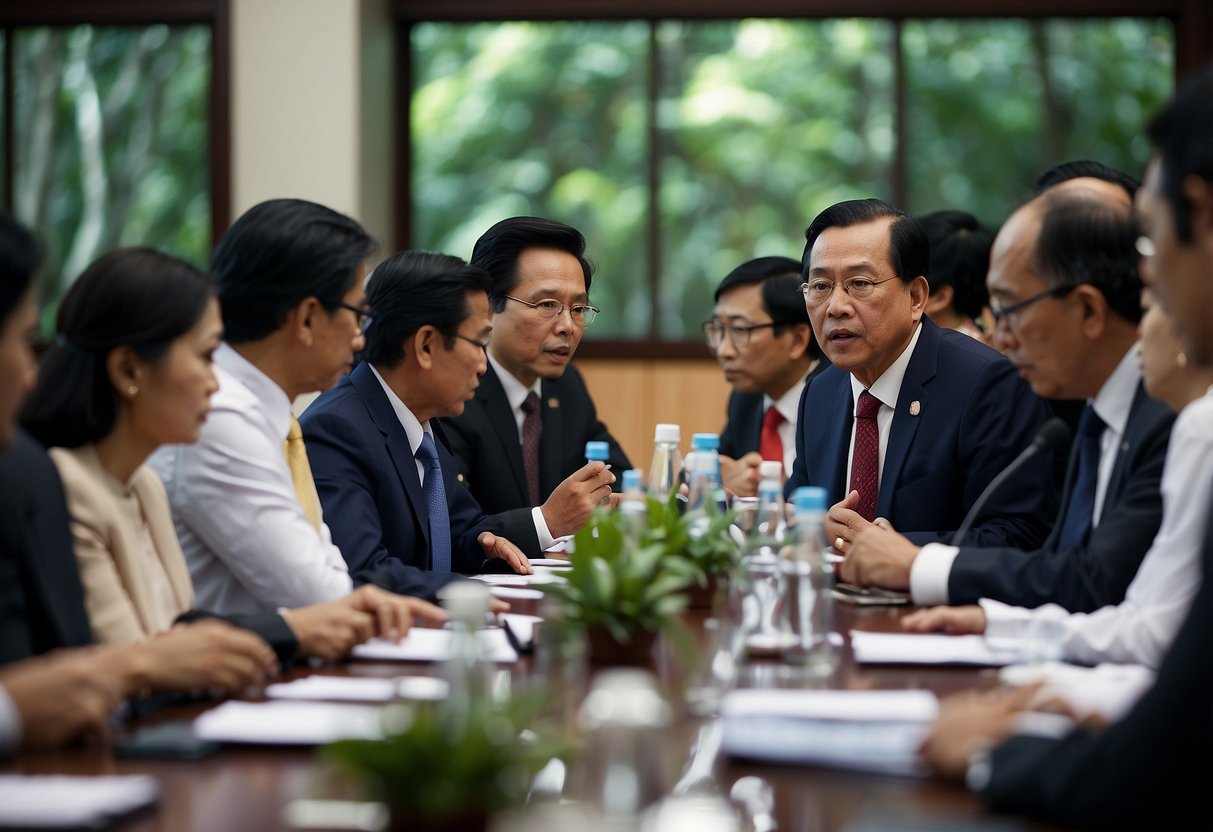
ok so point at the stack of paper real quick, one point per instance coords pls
(288, 723)
(427, 645)
(55, 802)
(913, 648)
(878, 731)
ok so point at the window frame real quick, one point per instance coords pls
(1192, 22)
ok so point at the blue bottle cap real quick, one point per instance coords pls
(705, 442)
(809, 498)
(597, 450)
(633, 479)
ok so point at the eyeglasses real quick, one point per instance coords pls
(713, 332)
(1001, 312)
(581, 313)
(484, 345)
(363, 315)
(819, 290)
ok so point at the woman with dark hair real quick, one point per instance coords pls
(130, 371)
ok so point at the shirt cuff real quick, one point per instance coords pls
(1004, 622)
(546, 541)
(10, 723)
(929, 574)
(977, 775)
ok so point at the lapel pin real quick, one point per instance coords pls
(553, 402)
(915, 408)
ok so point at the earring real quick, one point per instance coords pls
(1181, 360)
(132, 391)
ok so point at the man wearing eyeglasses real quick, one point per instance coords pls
(1065, 293)
(760, 334)
(913, 421)
(521, 441)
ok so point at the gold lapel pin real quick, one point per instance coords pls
(915, 408)
(553, 402)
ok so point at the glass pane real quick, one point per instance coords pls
(111, 144)
(990, 105)
(537, 118)
(763, 124)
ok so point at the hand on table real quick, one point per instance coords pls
(956, 621)
(205, 655)
(877, 556)
(62, 696)
(496, 546)
(969, 722)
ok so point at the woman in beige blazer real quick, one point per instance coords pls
(130, 371)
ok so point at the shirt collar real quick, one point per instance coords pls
(1115, 398)
(888, 386)
(413, 429)
(273, 399)
(515, 392)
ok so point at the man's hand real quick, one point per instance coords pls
(878, 556)
(329, 631)
(62, 696)
(969, 722)
(204, 655)
(843, 522)
(569, 506)
(956, 621)
(499, 547)
(740, 476)
(393, 613)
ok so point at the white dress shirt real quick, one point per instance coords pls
(1139, 630)
(788, 406)
(886, 389)
(930, 571)
(249, 545)
(10, 723)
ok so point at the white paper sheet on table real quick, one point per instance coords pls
(507, 593)
(288, 723)
(876, 731)
(336, 688)
(915, 648)
(539, 576)
(61, 802)
(426, 645)
(554, 563)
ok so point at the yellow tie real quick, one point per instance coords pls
(301, 473)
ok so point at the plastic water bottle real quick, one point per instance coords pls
(761, 578)
(469, 676)
(632, 504)
(809, 587)
(596, 451)
(772, 518)
(708, 444)
(665, 474)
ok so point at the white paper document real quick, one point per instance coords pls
(61, 802)
(876, 731)
(553, 563)
(288, 723)
(336, 689)
(511, 593)
(427, 645)
(539, 576)
(915, 648)
(1107, 691)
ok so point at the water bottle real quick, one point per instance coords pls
(665, 474)
(809, 587)
(466, 671)
(761, 579)
(708, 444)
(632, 505)
(596, 451)
(772, 518)
(696, 465)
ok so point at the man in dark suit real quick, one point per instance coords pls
(912, 421)
(1149, 769)
(521, 440)
(386, 480)
(1066, 293)
(760, 334)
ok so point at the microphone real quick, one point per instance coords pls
(1054, 435)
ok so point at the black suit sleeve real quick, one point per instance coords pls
(271, 626)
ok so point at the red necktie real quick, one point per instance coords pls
(532, 427)
(770, 446)
(865, 462)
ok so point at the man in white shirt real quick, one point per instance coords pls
(760, 334)
(1065, 293)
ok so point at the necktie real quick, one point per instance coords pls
(770, 446)
(435, 503)
(301, 473)
(1081, 507)
(532, 428)
(865, 461)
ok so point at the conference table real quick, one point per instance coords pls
(254, 788)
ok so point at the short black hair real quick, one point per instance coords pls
(909, 251)
(498, 249)
(136, 297)
(960, 258)
(1085, 169)
(20, 257)
(279, 253)
(412, 289)
(781, 297)
(1180, 133)
(1086, 241)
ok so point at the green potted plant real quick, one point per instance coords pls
(702, 537)
(624, 587)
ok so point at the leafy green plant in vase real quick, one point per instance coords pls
(703, 537)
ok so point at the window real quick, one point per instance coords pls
(684, 147)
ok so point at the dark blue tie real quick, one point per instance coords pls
(435, 502)
(1077, 523)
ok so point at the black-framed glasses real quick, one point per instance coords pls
(1001, 312)
(581, 313)
(484, 345)
(713, 332)
(818, 290)
(362, 313)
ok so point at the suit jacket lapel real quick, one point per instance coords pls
(837, 440)
(491, 396)
(551, 441)
(919, 372)
(395, 440)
